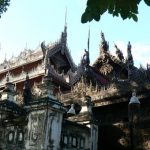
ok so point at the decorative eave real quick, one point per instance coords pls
(58, 47)
(108, 60)
(116, 92)
(91, 73)
(58, 78)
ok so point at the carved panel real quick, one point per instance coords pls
(36, 128)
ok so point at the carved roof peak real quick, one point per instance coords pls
(104, 47)
(119, 53)
(129, 55)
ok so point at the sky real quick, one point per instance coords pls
(29, 22)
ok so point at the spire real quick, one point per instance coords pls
(85, 60)
(5, 60)
(104, 45)
(64, 34)
(66, 18)
(119, 53)
(26, 46)
(130, 62)
(129, 55)
(88, 44)
(65, 27)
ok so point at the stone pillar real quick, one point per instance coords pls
(134, 118)
(89, 105)
(48, 87)
(44, 124)
(93, 126)
(9, 92)
(44, 120)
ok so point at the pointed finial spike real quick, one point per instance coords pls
(66, 17)
(27, 76)
(5, 57)
(88, 44)
(7, 77)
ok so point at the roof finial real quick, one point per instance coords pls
(130, 62)
(119, 53)
(129, 54)
(104, 44)
(65, 27)
(66, 18)
(85, 59)
(88, 44)
(5, 58)
(64, 33)
(26, 46)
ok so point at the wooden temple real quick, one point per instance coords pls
(111, 96)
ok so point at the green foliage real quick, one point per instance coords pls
(3, 6)
(124, 8)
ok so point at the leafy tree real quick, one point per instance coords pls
(124, 8)
(3, 6)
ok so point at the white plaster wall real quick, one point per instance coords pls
(35, 125)
(56, 130)
(53, 131)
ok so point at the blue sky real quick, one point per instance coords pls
(29, 22)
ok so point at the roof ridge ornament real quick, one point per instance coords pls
(130, 62)
(85, 59)
(66, 17)
(64, 33)
(119, 53)
(45, 56)
(104, 47)
(129, 55)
